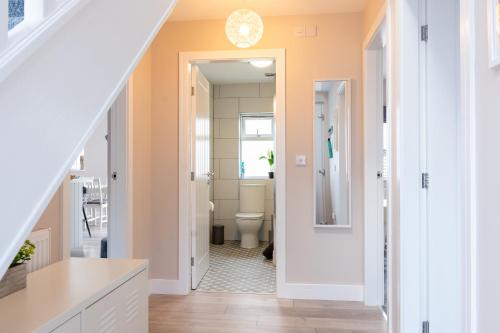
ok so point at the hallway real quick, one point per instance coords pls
(245, 313)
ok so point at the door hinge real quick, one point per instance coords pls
(192, 176)
(192, 91)
(192, 261)
(425, 327)
(424, 33)
(425, 180)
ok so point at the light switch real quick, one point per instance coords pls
(300, 160)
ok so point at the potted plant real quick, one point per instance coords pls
(270, 161)
(15, 278)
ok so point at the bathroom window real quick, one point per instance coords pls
(256, 139)
(16, 12)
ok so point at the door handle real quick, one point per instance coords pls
(322, 172)
(210, 176)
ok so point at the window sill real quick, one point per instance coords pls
(256, 178)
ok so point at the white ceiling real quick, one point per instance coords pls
(235, 72)
(187, 10)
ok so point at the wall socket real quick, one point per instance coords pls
(311, 31)
(306, 31)
(300, 31)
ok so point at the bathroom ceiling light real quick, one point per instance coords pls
(261, 63)
(244, 28)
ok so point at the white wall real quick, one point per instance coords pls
(229, 102)
(488, 180)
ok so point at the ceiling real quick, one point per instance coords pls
(235, 72)
(187, 10)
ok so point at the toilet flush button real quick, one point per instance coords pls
(300, 160)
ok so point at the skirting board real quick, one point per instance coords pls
(167, 287)
(326, 292)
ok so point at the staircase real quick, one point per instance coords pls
(60, 71)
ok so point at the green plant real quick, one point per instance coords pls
(25, 254)
(269, 158)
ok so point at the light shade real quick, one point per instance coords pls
(263, 63)
(244, 28)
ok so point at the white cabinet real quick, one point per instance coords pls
(71, 326)
(124, 310)
(81, 296)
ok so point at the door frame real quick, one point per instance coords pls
(373, 103)
(196, 264)
(405, 68)
(185, 184)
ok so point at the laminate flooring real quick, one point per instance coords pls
(248, 313)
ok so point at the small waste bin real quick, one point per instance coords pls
(218, 234)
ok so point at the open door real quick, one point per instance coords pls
(200, 166)
(443, 252)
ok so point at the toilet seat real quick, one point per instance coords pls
(250, 216)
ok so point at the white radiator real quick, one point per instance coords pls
(41, 258)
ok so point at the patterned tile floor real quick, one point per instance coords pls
(236, 270)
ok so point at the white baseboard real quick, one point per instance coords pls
(167, 287)
(327, 292)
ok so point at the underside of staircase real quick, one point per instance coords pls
(53, 96)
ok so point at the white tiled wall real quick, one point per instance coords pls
(229, 102)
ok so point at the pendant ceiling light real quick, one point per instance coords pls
(244, 28)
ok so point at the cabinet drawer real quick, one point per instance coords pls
(71, 326)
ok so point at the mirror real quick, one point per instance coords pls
(332, 153)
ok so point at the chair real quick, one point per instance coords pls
(96, 201)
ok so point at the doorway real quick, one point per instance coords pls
(233, 163)
(377, 168)
(88, 189)
(98, 193)
(235, 169)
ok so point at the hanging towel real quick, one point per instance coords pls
(330, 150)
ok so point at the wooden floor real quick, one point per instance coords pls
(246, 313)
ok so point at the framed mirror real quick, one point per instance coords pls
(332, 153)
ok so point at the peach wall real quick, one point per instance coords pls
(313, 256)
(140, 86)
(370, 14)
(52, 218)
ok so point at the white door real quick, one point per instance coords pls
(443, 285)
(119, 220)
(202, 176)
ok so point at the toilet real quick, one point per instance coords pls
(251, 215)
